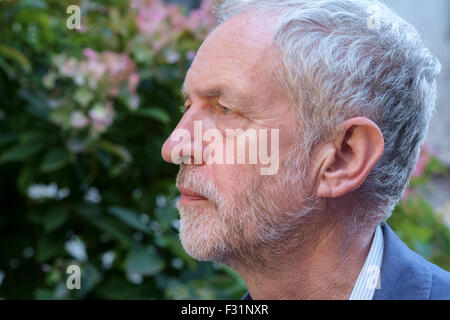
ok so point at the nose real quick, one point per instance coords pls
(184, 145)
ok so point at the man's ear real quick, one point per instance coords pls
(345, 163)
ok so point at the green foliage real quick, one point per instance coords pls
(83, 181)
(423, 230)
(417, 223)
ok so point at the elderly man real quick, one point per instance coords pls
(349, 88)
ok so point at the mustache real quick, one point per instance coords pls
(199, 184)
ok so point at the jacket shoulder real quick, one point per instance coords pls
(440, 286)
(405, 275)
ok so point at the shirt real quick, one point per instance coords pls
(369, 277)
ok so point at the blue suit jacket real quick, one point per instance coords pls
(405, 275)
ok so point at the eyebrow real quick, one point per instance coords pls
(218, 91)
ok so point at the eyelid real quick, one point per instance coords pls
(186, 107)
(224, 107)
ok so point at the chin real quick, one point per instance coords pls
(201, 233)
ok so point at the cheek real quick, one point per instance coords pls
(232, 180)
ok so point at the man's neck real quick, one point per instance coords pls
(327, 268)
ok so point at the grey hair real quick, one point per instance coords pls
(336, 66)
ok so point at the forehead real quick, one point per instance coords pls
(238, 56)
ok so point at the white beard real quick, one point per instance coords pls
(241, 228)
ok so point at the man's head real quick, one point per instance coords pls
(338, 88)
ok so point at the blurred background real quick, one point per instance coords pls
(83, 115)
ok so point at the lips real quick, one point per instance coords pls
(187, 195)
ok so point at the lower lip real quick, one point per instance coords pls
(189, 198)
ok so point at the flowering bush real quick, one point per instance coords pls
(84, 114)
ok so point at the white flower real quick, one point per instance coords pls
(136, 278)
(172, 56)
(92, 195)
(75, 247)
(51, 191)
(108, 259)
(78, 120)
(134, 102)
(102, 116)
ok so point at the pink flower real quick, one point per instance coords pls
(161, 22)
(151, 16)
(78, 120)
(176, 17)
(94, 68)
(207, 5)
(190, 54)
(102, 116)
(90, 54)
(133, 82)
(108, 70)
(200, 21)
(69, 67)
(195, 19)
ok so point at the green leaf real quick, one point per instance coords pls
(434, 166)
(83, 96)
(21, 152)
(129, 217)
(7, 138)
(15, 55)
(26, 176)
(144, 261)
(88, 210)
(54, 160)
(32, 137)
(38, 104)
(117, 150)
(50, 218)
(155, 113)
(7, 68)
(119, 288)
(112, 229)
(48, 248)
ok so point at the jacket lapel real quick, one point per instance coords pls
(404, 274)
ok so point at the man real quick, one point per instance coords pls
(348, 87)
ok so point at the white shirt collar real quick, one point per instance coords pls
(369, 277)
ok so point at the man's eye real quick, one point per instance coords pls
(224, 109)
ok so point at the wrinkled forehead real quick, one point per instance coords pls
(240, 50)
